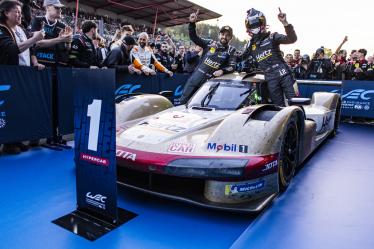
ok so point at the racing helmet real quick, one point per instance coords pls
(255, 19)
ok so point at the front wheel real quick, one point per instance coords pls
(288, 157)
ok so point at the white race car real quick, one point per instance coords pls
(226, 149)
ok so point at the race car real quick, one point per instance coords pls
(226, 149)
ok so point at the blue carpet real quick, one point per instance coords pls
(328, 205)
(329, 202)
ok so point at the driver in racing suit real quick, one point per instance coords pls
(264, 47)
(142, 57)
(218, 58)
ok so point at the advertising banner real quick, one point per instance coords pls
(25, 104)
(358, 98)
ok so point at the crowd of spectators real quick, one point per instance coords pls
(339, 66)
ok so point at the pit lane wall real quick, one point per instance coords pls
(26, 97)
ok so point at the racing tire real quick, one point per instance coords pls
(289, 154)
(336, 120)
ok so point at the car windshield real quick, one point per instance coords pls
(223, 95)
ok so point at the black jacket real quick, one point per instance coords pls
(8, 47)
(215, 56)
(165, 59)
(320, 69)
(83, 52)
(118, 58)
(266, 52)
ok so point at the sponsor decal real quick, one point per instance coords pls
(211, 63)
(212, 50)
(126, 155)
(253, 47)
(46, 56)
(178, 116)
(228, 147)
(94, 159)
(127, 88)
(244, 188)
(181, 148)
(264, 55)
(270, 165)
(97, 200)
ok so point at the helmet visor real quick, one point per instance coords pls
(252, 22)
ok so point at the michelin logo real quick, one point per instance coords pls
(244, 188)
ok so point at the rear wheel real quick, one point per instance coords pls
(288, 157)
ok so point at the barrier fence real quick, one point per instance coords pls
(26, 97)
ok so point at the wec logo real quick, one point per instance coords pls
(4, 88)
(178, 92)
(127, 88)
(97, 197)
(358, 94)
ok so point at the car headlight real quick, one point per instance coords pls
(215, 168)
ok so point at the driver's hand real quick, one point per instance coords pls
(218, 73)
(193, 16)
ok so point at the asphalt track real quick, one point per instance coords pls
(328, 205)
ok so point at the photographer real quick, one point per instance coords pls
(320, 68)
(301, 70)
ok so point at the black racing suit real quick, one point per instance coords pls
(83, 52)
(216, 56)
(265, 50)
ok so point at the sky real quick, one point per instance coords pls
(317, 22)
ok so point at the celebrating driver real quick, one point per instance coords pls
(264, 48)
(217, 59)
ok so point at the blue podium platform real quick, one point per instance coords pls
(328, 205)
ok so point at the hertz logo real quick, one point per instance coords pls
(264, 55)
(211, 63)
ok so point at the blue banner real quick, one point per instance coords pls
(307, 90)
(174, 84)
(95, 142)
(358, 98)
(65, 100)
(25, 104)
(133, 83)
